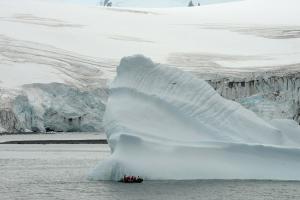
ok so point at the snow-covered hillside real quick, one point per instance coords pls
(78, 47)
(152, 3)
(165, 116)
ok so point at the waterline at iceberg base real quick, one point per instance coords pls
(163, 123)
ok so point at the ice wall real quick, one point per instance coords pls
(52, 107)
(163, 123)
(270, 94)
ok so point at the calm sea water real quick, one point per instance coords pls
(46, 172)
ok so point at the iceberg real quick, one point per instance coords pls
(163, 123)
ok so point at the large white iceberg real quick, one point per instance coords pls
(163, 123)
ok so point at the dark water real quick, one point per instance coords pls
(209, 190)
(46, 172)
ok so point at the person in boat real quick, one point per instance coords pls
(131, 179)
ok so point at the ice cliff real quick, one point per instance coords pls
(51, 107)
(163, 123)
(271, 94)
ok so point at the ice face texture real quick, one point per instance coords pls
(163, 123)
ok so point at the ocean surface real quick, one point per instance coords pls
(60, 172)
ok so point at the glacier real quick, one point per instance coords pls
(271, 95)
(251, 59)
(163, 123)
(51, 107)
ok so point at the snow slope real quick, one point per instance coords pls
(216, 36)
(79, 46)
(158, 3)
(163, 123)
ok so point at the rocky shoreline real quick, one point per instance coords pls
(55, 142)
